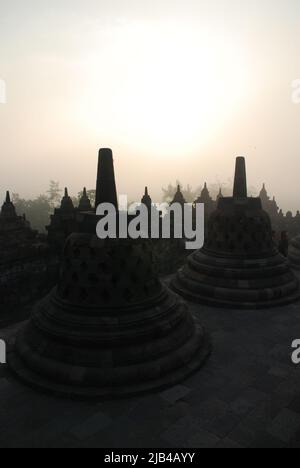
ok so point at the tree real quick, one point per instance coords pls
(37, 211)
(54, 193)
(189, 194)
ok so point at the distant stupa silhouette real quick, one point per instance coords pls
(110, 328)
(239, 265)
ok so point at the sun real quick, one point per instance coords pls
(156, 85)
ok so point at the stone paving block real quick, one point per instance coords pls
(202, 439)
(91, 426)
(223, 425)
(241, 406)
(211, 409)
(265, 440)
(282, 352)
(4, 385)
(280, 371)
(295, 404)
(267, 383)
(242, 435)
(228, 444)
(285, 425)
(177, 411)
(178, 434)
(175, 393)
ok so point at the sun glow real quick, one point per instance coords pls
(154, 85)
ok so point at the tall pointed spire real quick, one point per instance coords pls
(8, 200)
(240, 179)
(220, 194)
(106, 191)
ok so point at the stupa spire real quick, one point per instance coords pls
(240, 179)
(106, 191)
(146, 200)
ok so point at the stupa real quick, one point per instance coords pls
(206, 199)
(62, 223)
(110, 328)
(209, 204)
(239, 265)
(178, 197)
(84, 202)
(147, 200)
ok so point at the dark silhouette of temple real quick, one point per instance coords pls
(280, 222)
(239, 265)
(25, 266)
(110, 328)
(64, 220)
(209, 204)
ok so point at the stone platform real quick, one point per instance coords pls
(247, 395)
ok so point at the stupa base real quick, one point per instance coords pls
(186, 367)
(237, 283)
(144, 348)
(226, 304)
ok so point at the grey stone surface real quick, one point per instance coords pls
(247, 395)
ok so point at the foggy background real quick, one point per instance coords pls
(177, 89)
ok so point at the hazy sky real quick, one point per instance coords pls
(176, 88)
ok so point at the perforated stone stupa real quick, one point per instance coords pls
(239, 265)
(109, 328)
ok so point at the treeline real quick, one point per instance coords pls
(191, 194)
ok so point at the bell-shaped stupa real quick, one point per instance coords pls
(109, 328)
(239, 265)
